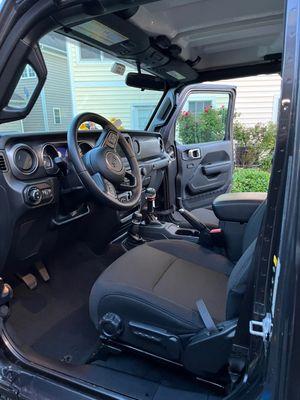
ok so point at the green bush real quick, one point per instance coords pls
(250, 180)
(255, 144)
(207, 126)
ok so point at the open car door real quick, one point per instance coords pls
(200, 133)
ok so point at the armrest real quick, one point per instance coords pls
(237, 207)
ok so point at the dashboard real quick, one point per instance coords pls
(42, 156)
(40, 192)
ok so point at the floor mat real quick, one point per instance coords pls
(53, 319)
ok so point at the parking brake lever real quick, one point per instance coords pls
(196, 224)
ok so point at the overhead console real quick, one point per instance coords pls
(113, 34)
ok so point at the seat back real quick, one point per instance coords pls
(238, 279)
(253, 225)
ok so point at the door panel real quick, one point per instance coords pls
(201, 179)
(202, 129)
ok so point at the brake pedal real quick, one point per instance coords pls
(29, 280)
(42, 270)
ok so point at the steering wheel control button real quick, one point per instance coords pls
(111, 140)
(110, 188)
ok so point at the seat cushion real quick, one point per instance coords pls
(204, 215)
(159, 283)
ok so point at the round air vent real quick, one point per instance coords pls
(25, 159)
(136, 146)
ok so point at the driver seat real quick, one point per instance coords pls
(147, 300)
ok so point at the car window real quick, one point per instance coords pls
(79, 79)
(203, 118)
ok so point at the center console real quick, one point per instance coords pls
(145, 226)
(233, 210)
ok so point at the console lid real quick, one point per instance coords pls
(237, 207)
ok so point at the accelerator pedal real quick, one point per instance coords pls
(42, 270)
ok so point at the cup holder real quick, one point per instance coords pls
(186, 232)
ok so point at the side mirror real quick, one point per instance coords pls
(145, 81)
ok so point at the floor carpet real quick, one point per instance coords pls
(53, 319)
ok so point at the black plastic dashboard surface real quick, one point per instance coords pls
(31, 156)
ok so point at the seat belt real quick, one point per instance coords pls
(206, 317)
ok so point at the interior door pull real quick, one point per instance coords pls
(194, 153)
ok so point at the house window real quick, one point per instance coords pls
(28, 72)
(56, 116)
(141, 115)
(90, 54)
(198, 106)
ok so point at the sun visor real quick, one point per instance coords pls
(176, 71)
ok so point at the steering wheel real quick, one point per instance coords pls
(101, 169)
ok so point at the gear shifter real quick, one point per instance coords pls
(150, 196)
(134, 238)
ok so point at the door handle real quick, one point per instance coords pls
(194, 153)
(216, 168)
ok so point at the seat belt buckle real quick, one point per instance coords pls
(217, 237)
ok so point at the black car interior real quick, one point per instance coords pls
(125, 256)
(142, 289)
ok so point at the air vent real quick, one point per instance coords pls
(161, 145)
(3, 163)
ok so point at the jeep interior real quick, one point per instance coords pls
(125, 257)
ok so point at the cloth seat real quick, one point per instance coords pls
(149, 294)
(159, 283)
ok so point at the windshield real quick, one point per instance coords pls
(79, 80)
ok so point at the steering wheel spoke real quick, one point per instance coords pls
(104, 184)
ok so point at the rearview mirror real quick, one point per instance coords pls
(144, 81)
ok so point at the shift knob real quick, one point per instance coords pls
(150, 194)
